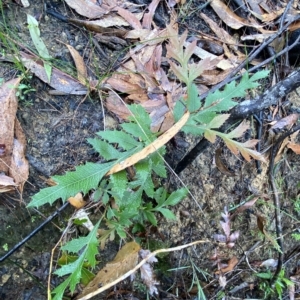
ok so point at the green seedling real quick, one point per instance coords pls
(278, 287)
(136, 198)
(34, 30)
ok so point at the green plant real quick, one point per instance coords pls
(279, 285)
(22, 90)
(132, 198)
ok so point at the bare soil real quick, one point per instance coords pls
(57, 127)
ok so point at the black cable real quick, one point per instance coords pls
(34, 232)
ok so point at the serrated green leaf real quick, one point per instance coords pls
(204, 116)
(59, 290)
(195, 70)
(141, 118)
(106, 150)
(222, 100)
(83, 179)
(193, 102)
(160, 196)
(121, 233)
(119, 184)
(178, 110)
(167, 213)
(218, 121)
(158, 164)
(143, 177)
(137, 131)
(123, 139)
(192, 127)
(176, 197)
(150, 217)
(90, 242)
(260, 75)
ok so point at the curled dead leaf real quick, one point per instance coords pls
(77, 201)
(125, 260)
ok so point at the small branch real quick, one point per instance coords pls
(277, 200)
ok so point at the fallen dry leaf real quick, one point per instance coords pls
(129, 17)
(12, 140)
(125, 260)
(8, 110)
(227, 15)
(80, 65)
(231, 264)
(60, 81)
(287, 121)
(19, 167)
(294, 147)
(87, 8)
(148, 17)
(7, 184)
(261, 222)
(77, 201)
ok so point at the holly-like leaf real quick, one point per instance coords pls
(90, 244)
(123, 139)
(106, 150)
(83, 179)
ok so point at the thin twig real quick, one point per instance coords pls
(277, 200)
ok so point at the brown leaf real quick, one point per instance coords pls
(261, 222)
(7, 184)
(148, 17)
(8, 110)
(229, 17)
(222, 34)
(125, 260)
(294, 147)
(247, 205)
(288, 122)
(60, 81)
(19, 167)
(80, 65)
(87, 8)
(115, 105)
(96, 27)
(231, 264)
(129, 17)
(77, 201)
(220, 165)
(238, 131)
